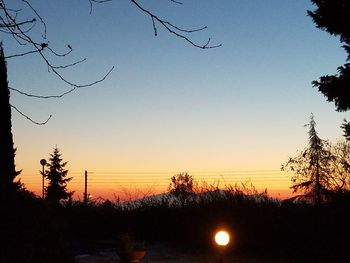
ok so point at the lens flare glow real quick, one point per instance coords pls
(222, 238)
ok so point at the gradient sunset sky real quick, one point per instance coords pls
(225, 114)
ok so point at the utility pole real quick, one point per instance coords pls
(85, 189)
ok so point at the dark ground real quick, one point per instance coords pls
(167, 253)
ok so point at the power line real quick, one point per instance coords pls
(162, 178)
(173, 172)
(194, 172)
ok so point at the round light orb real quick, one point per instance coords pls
(222, 238)
(43, 162)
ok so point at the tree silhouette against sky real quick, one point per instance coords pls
(57, 176)
(334, 18)
(312, 168)
(7, 163)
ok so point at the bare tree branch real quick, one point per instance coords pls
(70, 65)
(41, 96)
(173, 29)
(22, 54)
(20, 29)
(7, 25)
(39, 48)
(97, 2)
(37, 14)
(154, 26)
(64, 93)
(30, 119)
(176, 2)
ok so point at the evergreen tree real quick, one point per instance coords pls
(57, 176)
(7, 156)
(312, 168)
(333, 16)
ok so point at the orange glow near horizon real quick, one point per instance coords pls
(130, 185)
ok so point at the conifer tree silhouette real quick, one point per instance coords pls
(334, 18)
(312, 168)
(57, 176)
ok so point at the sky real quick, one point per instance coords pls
(225, 115)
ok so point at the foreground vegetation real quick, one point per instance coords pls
(261, 226)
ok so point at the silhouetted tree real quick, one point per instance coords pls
(333, 16)
(312, 168)
(341, 166)
(57, 176)
(346, 129)
(7, 160)
(182, 185)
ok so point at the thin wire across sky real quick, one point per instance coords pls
(144, 177)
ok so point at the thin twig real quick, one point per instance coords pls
(173, 29)
(30, 119)
(37, 14)
(176, 2)
(40, 48)
(97, 2)
(22, 54)
(40, 96)
(70, 65)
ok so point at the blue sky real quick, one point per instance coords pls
(168, 106)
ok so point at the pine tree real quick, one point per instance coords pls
(7, 152)
(57, 176)
(312, 168)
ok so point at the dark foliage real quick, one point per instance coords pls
(333, 16)
(346, 129)
(7, 154)
(314, 175)
(261, 226)
(336, 87)
(321, 170)
(57, 176)
(182, 186)
(30, 231)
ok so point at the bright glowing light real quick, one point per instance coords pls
(222, 238)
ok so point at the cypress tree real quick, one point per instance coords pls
(7, 152)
